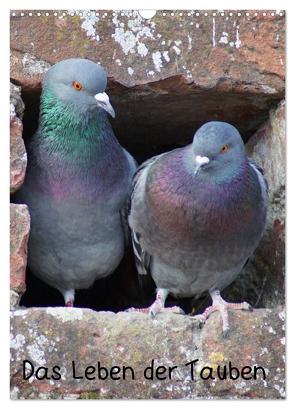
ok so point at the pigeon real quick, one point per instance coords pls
(77, 181)
(197, 213)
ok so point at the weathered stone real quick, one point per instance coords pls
(16, 100)
(27, 70)
(165, 72)
(257, 339)
(19, 234)
(133, 339)
(18, 156)
(268, 148)
(245, 51)
(14, 299)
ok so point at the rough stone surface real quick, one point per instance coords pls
(14, 299)
(19, 234)
(206, 67)
(241, 50)
(18, 156)
(16, 100)
(26, 69)
(268, 148)
(133, 339)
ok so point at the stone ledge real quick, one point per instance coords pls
(58, 336)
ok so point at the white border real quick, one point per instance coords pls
(4, 174)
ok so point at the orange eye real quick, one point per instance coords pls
(77, 85)
(224, 149)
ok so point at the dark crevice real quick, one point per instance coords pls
(151, 119)
(158, 116)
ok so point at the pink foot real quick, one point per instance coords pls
(155, 308)
(158, 305)
(69, 297)
(218, 304)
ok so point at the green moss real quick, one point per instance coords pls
(75, 19)
(79, 44)
(59, 35)
(137, 357)
(90, 395)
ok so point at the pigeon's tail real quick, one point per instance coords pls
(143, 262)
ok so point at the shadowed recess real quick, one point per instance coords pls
(151, 119)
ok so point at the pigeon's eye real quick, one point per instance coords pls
(224, 149)
(77, 85)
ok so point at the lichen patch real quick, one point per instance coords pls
(65, 314)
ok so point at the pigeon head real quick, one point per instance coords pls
(80, 85)
(218, 150)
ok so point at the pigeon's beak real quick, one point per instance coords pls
(103, 101)
(200, 161)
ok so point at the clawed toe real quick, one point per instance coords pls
(218, 304)
(175, 309)
(201, 321)
(131, 309)
(226, 333)
(155, 309)
(249, 307)
(158, 306)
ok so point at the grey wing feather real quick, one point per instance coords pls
(142, 257)
(125, 209)
(260, 172)
(124, 223)
(132, 162)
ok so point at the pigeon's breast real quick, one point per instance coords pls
(90, 177)
(189, 213)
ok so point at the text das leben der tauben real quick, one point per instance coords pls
(151, 372)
